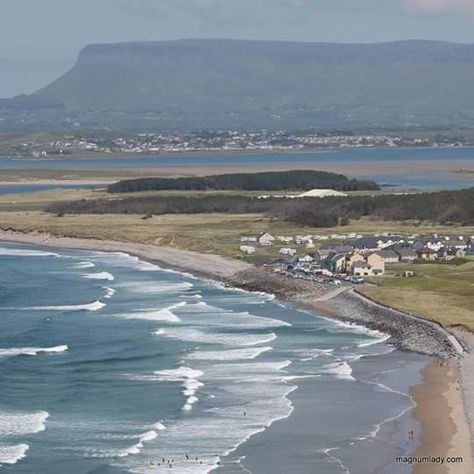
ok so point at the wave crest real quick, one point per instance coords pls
(32, 351)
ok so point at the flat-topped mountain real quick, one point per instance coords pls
(207, 83)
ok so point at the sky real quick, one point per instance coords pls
(40, 39)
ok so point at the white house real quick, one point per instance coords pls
(287, 251)
(248, 249)
(266, 239)
(303, 239)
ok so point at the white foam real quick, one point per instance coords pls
(231, 354)
(180, 373)
(31, 351)
(12, 454)
(109, 292)
(136, 448)
(342, 370)
(311, 354)
(249, 371)
(95, 306)
(165, 314)
(189, 379)
(25, 253)
(377, 341)
(219, 317)
(84, 265)
(158, 287)
(99, 276)
(20, 424)
(357, 328)
(194, 335)
(250, 397)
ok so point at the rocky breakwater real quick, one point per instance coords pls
(407, 332)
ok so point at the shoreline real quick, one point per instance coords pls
(210, 153)
(406, 332)
(58, 182)
(440, 398)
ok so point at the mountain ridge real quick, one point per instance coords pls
(214, 83)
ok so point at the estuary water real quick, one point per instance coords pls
(113, 365)
(417, 168)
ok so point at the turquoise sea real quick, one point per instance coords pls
(111, 365)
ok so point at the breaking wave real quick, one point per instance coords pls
(31, 351)
(99, 276)
(12, 454)
(95, 306)
(25, 253)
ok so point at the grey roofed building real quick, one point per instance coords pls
(374, 243)
(388, 255)
(337, 248)
(405, 253)
(331, 249)
(428, 241)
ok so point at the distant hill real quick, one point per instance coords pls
(207, 83)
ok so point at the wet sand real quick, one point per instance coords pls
(440, 411)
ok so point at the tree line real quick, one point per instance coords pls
(298, 180)
(439, 207)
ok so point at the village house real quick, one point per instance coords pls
(427, 253)
(285, 239)
(368, 244)
(388, 256)
(303, 239)
(371, 265)
(449, 252)
(287, 251)
(428, 242)
(266, 239)
(405, 253)
(248, 239)
(361, 269)
(352, 259)
(328, 249)
(248, 249)
(376, 263)
(335, 263)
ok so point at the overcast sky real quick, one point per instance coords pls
(40, 39)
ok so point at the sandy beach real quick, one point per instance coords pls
(444, 428)
(445, 401)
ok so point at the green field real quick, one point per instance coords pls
(443, 292)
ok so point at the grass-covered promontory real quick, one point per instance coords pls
(298, 180)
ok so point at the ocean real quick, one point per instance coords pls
(111, 365)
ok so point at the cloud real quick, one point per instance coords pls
(441, 6)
